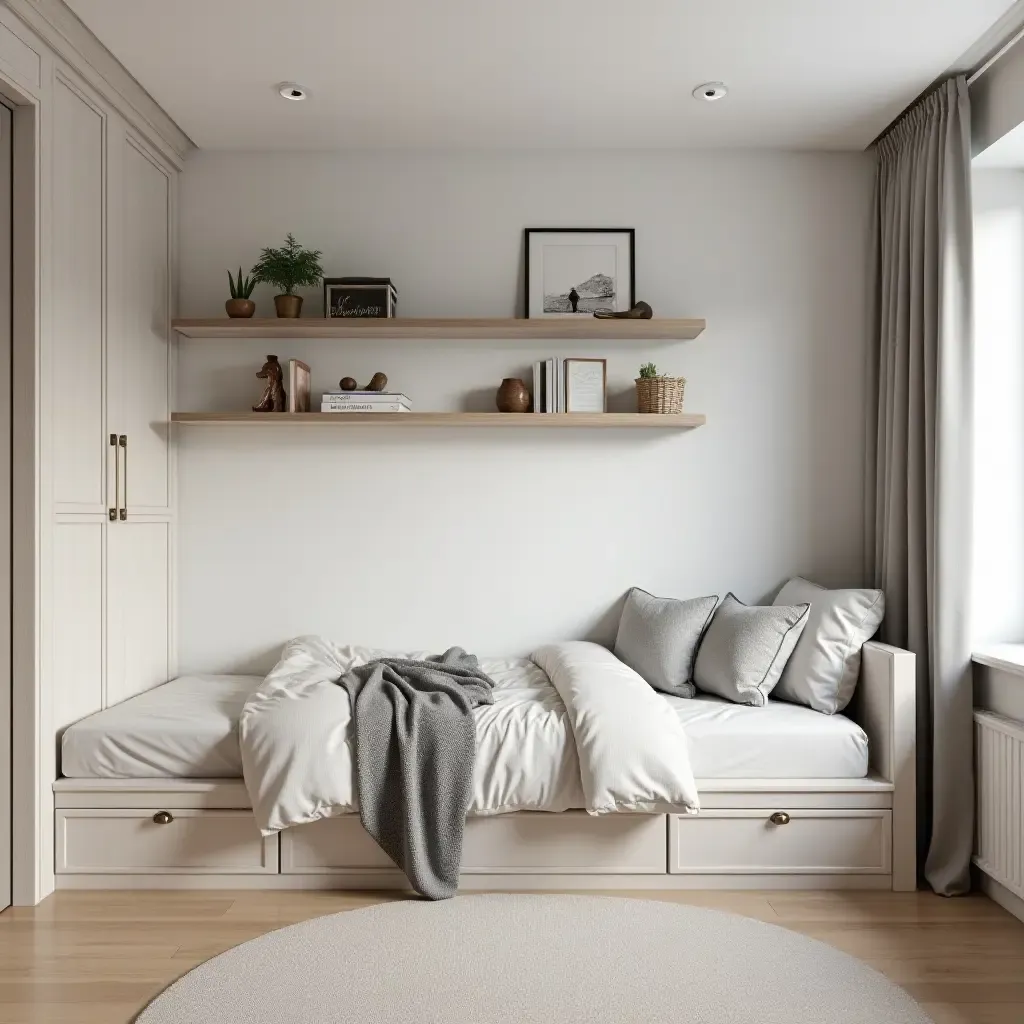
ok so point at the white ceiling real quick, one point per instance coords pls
(821, 74)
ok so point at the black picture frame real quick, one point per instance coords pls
(627, 233)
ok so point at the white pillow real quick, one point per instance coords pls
(823, 670)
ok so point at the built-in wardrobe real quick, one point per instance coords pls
(111, 367)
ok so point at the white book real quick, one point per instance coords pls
(549, 385)
(342, 397)
(537, 397)
(560, 380)
(367, 407)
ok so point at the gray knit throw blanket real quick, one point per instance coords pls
(415, 748)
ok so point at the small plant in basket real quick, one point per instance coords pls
(240, 305)
(656, 392)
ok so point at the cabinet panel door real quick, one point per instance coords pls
(80, 447)
(77, 620)
(143, 346)
(137, 607)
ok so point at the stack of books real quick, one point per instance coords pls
(549, 386)
(364, 401)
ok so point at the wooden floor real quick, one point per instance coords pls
(99, 957)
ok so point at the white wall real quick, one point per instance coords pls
(501, 541)
(999, 404)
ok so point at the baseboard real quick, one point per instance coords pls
(998, 893)
(394, 880)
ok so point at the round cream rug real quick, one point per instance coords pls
(533, 960)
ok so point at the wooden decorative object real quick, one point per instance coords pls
(348, 384)
(378, 382)
(298, 386)
(513, 396)
(273, 399)
(641, 311)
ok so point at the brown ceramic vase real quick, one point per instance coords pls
(513, 396)
(288, 306)
(239, 309)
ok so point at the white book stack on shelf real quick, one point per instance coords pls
(364, 401)
(549, 386)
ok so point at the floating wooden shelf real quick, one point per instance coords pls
(628, 420)
(583, 328)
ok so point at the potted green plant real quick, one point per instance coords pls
(288, 268)
(656, 392)
(240, 305)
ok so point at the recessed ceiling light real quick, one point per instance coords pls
(710, 91)
(291, 91)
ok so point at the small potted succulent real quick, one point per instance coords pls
(288, 268)
(657, 393)
(240, 305)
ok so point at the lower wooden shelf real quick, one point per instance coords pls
(627, 420)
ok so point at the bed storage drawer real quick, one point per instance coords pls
(161, 842)
(796, 842)
(571, 842)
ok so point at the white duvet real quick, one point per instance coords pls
(571, 727)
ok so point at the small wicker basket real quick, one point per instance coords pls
(660, 394)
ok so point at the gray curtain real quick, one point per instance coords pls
(920, 457)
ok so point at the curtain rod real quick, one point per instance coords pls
(1002, 51)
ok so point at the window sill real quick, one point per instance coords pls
(1005, 657)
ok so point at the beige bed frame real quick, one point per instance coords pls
(782, 834)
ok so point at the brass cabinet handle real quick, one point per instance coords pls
(163, 818)
(114, 513)
(123, 443)
(779, 818)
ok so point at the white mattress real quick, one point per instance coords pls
(187, 728)
(778, 741)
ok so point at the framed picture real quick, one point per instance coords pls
(576, 271)
(586, 385)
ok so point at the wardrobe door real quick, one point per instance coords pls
(138, 638)
(139, 537)
(81, 459)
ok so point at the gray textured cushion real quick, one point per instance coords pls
(824, 668)
(746, 648)
(658, 638)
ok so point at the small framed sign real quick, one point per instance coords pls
(586, 384)
(360, 297)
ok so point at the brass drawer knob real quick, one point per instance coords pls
(163, 818)
(779, 818)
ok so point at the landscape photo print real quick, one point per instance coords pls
(578, 271)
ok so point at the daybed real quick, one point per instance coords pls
(152, 797)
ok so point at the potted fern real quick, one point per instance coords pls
(240, 305)
(656, 392)
(288, 268)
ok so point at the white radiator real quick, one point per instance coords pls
(999, 839)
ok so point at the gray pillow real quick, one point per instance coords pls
(824, 668)
(658, 638)
(746, 648)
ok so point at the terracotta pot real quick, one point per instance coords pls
(513, 396)
(240, 308)
(289, 306)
